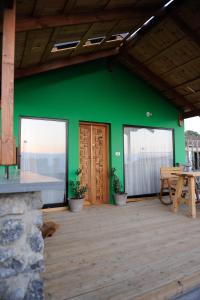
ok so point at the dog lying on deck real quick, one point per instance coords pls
(49, 228)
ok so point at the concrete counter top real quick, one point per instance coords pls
(20, 182)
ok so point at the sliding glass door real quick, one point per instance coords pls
(43, 148)
(145, 151)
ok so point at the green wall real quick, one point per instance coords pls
(90, 92)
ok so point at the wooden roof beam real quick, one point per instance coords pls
(191, 114)
(64, 62)
(158, 81)
(33, 23)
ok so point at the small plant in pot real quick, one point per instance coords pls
(78, 192)
(120, 196)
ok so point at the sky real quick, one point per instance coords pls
(192, 124)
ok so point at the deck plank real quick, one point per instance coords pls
(109, 252)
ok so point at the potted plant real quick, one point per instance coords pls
(120, 196)
(78, 191)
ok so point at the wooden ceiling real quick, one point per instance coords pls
(165, 52)
(167, 55)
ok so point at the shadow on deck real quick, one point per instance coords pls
(141, 251)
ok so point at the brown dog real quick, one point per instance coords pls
(49, 228)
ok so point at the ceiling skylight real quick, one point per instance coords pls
(149, 20)
(65, 46)
(94, 41)
(168, 3)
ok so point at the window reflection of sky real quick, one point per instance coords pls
(43, 136)
(43, 151)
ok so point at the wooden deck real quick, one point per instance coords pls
(141, 251)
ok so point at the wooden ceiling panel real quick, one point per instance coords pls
(121, 3)
(25, 7)
(189, 87)
(69, 33)
(87, 49)
(144, 50)
(109, 45)
(36, 43)
(19, 47)
(184, 73)
(161, 37)
(127, 25)
(147, 3)
(100, 29)
(84, 6)
(197, 105)
(165, 34)
(194, 98)
(174, 56)
(58, 54)
(54, 7)
(161, 64)
(190, 13)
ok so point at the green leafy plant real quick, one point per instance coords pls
(77, 189)
(117, 186)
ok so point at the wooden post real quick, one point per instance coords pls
(7, 143)
(192, 197)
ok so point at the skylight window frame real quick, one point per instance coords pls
(118, 35)
(55, 49)
(94, 38)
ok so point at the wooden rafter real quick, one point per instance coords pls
(64, 62)
(8, 144)
(33, 23)
(158, 81)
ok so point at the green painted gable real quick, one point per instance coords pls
(90, 92)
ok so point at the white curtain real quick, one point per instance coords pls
(43, 151)
(145, 151)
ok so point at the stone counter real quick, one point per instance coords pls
(28, 182)
(21, 242)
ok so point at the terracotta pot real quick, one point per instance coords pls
(120, 199)
(76, 205)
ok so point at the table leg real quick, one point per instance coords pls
(192, 197)
(178, 194)
(161, 188)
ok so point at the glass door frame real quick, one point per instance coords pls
(146, 127)
(65, 202)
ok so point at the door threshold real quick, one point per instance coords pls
(53, 209)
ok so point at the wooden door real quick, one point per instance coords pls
(94, 161)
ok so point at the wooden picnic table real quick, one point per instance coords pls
(191, 200)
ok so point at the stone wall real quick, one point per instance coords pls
(21, 246)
